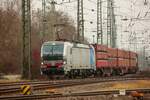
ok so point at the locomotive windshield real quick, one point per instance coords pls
(52, 52)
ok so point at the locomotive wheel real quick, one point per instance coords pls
(73, 76)
(83, 75)
(68, 75)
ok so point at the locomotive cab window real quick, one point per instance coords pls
(53, 52)
(53, 49)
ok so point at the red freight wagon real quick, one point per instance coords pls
(127, 62)
(99, 47)
(112, 52)
(120, 53)
(101, 55)
(101, 63)
(133, 63)
(123, 54)
(123, 62)
(113, 62)
(133, 55)
(126, 54)
(120, 62)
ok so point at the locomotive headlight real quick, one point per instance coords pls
(42, 65)
(64, 62)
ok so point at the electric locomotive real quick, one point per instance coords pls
(68, 59)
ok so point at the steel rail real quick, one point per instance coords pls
(3, 84)
(16, 89)
(95, 93)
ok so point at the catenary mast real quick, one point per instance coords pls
(26, 39)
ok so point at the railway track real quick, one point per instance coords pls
(16, 87)
(7, 84)
(84, 94)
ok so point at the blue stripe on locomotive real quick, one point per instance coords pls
(91, 56)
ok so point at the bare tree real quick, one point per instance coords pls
(10, 36)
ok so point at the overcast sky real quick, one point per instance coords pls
(129, 9)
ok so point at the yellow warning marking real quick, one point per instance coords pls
(26, 89)
(22, 87)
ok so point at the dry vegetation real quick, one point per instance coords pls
(123, 85)
(11, 35)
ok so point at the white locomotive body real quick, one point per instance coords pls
(67, 58)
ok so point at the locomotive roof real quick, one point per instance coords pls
(67, 43)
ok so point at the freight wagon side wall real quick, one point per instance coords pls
(123, 63)
(113, 61)
(101, 56)
(116, 59)
(112, 52)
(101, 64)
(133, 61)
(123, 54)
(123, 59)
(127, 60)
